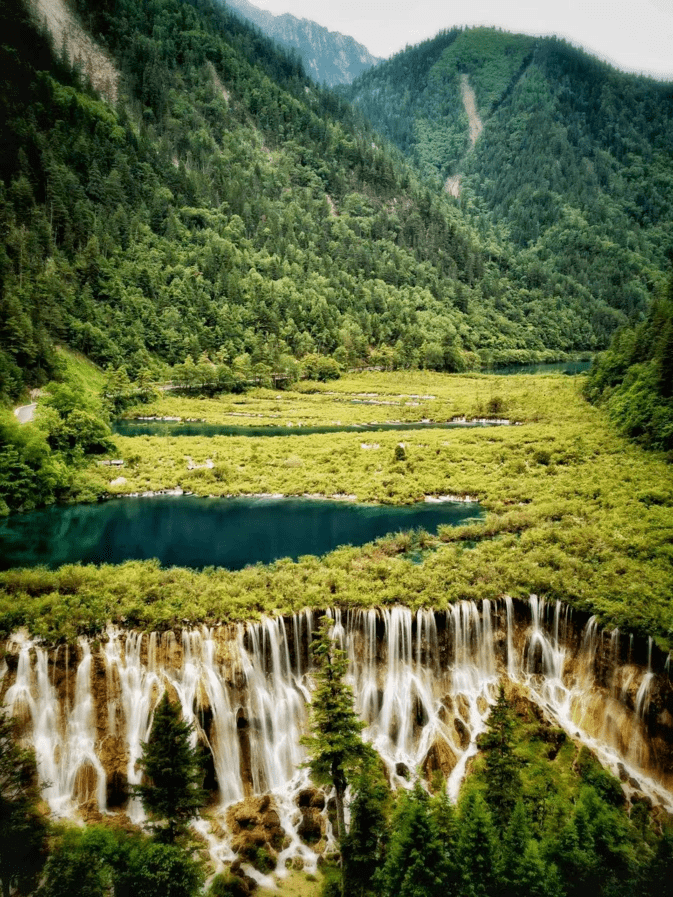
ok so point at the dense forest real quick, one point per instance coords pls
(572, 173)
(229, 206)
(633, 379)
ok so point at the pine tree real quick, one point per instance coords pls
(477, 848)
(336, 751)
(446, 822)
(524, 870)
(416, 865)
(365, 842)
(502, 774)
(171, 790)
(22, 829)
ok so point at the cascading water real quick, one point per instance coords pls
(423, 684)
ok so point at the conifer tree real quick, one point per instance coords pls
(365, 842)
(336, 751)
(22, 829)
(416, 864)
(524, 870)
(502, 775)
(446, 822)
(171, 790)
(477, 848)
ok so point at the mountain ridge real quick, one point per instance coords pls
(329, 57)
(573, 166)
(231, 208)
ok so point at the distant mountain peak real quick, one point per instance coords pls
(329, 57)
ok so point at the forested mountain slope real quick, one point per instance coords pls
(573, 170)
(329, 57)
(229, 206)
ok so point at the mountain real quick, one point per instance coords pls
(228, 206)
(329, 57)
(565, 160)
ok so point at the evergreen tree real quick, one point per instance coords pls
(477, 855)
(524, 871)
(502, 775)
(171, 790)
(365, 842)
(445, 819)
(337, 754)
(416, 865)
(22, 830)
(659, 874)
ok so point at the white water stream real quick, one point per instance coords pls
(423, 684)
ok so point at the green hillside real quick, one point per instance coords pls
(229, 206)
(572, 173)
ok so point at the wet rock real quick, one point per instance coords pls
(440, 758)
(639, 798)
(462, 732)
(116, 789)
(311, 797)
(462, 706)
(446, 712)
(238, 882)
(402, 770)
(255, 826)
(312, 826)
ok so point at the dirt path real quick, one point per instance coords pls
(66, 31)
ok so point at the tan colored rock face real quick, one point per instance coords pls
(81, 49)
(440, 758)
(423, 684)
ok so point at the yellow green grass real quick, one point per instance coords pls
(369, 397)
(574, 512)
(82, 374)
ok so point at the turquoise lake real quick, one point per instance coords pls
(188, 531)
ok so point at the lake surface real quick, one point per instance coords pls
(557, 367)
(197, 428)
(188, 531)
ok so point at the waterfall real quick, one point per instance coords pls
(423, 683)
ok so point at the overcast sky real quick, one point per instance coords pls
(634, 35)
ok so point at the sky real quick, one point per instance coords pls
(634, 35)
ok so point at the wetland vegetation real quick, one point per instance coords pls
(573, 510)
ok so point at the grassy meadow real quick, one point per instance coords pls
(574, 511)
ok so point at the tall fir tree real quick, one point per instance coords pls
(502, 773)
(416, 864)
(477, 854)
(22, 828)
(336, 751)
(365, 842)
(171, 791)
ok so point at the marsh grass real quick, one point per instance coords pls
(366, 398)
(574, 512)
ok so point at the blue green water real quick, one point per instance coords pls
(187, 531)
(196, 428)
(557, 367)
